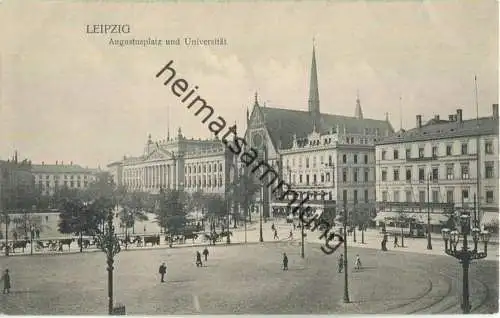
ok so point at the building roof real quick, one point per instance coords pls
(444, 129)
(61, 169)
(282, 124)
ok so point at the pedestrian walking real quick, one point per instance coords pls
(205, 253)
(294, 226)
(273, 228)
(396, 241)
(357, 262)
(162, 271)
(290, 235)
(37, 233)
(198, 259)
(6, 282)
(285, 262)
(276, 235)
(340, 266)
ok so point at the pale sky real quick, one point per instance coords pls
(69, 96)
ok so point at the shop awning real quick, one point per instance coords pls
(383, 215)
(436, 218)
(489, 218)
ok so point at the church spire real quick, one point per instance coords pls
(359, 112)
(313, 86)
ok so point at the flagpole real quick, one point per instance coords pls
(478, 152)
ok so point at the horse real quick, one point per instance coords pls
(19, 244)
(153, 239)
(86, 243)
(65, 242)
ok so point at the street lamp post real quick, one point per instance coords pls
(31, 238)
(109, 244)
(346, 282)
(81, 227)
(127, 222)
(7, 219)
(464, 255)
(261, 238)
(429, 243)
(302, 235)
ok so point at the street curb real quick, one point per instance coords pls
(164, 247)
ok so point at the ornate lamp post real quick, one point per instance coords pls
(465, 255)
(108, 242)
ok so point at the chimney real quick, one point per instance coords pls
(436, 117)
(419, 121)
(459, 115)
(56, 162)
(495, 111)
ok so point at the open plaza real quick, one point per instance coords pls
(241, 278)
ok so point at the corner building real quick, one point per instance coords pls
(329, 158)
(441, 167)
(49, 178)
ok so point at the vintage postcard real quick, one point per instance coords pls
(249, 157)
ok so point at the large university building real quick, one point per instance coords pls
(441, 166)
(176, 163)
(329, 158)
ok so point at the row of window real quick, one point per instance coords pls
(57, 177)
(210, 182)
(70, 184)
(209, 167)
(315, 195)
(435, 196)
(345, 159)
(448, 172)
(356, 177)
(464, 150)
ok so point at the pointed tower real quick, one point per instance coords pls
(359, 112)
(313, 87)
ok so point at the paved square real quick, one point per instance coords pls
(245, 280)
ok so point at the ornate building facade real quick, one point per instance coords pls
(441, 165)
(329, 158)
(176, 163)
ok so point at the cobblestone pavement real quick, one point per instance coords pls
(246, 279)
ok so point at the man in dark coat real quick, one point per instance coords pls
(341, 263)
(198, 259)
(162, 270)
(6, 282)
(285, 262)
(205, 253)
